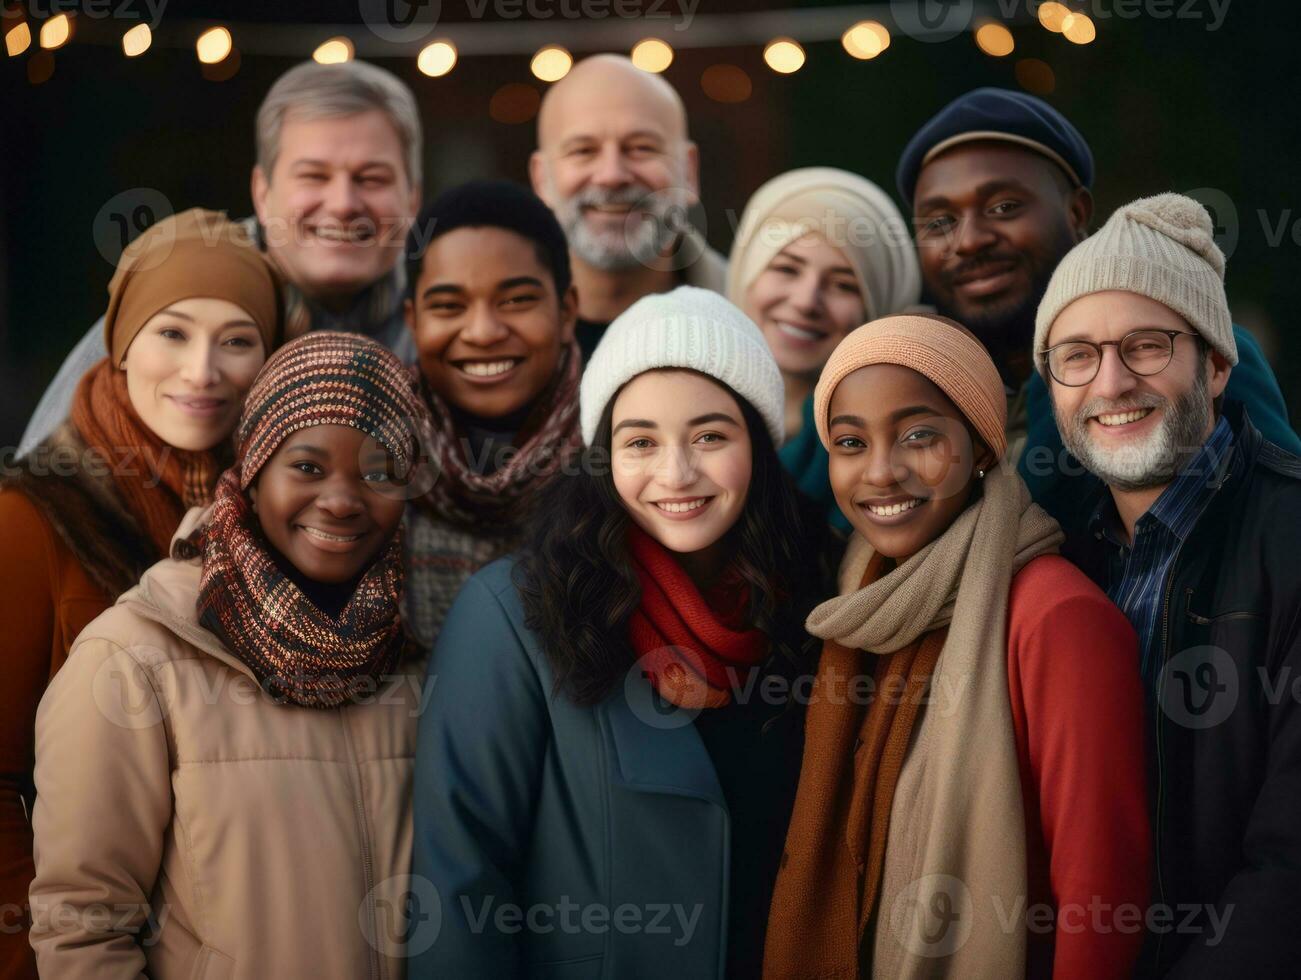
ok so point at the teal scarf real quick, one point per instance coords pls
(806, 461)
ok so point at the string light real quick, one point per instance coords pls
(652, 55)
(1051, 16)
(214, 45)
(551, 63)
(784, 56)
(995, 40)
(56, 31)
(1079, 29)
(437, 58)
(865, 40)
(136, 41)
(18, 39)
(335, 51)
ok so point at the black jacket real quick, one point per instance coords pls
(1225, 737)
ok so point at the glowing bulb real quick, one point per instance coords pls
(995, 40)
(56, 31)
(652, 55)
(551, 63)
(1051, 16)
(335, 51)
(1079, 29)
(784, 56)
(437, 58)
(18, 40)
(214, 45)
(866, 39)
(136, 41)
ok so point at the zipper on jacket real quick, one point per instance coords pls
(1160, 746)
(364, 836)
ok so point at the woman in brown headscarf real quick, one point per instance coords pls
(194, 310)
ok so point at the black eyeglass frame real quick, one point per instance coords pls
(1172, 334)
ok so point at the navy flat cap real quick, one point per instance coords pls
(997, 114)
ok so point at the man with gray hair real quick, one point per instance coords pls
(615, 165)
(335, 189)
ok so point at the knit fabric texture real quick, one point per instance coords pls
(1162, 247)
(689, 328)
(851, 213)
(326, 378)
(194, 253)
(951, 358)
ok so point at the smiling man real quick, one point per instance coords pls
(1195, 537)
(615, 165)
(1000, 188)
(336, 184)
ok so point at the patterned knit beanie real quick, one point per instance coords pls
(938, 349)
(687, 328)
(328, 378)
(1160, 247)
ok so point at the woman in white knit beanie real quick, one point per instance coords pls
(613, 722)
(818, 252)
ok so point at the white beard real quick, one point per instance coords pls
(640, 240)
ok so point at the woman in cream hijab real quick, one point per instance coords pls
(818, 252)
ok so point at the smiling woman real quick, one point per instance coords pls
(290, 704)
(194, 310)
(598, 733)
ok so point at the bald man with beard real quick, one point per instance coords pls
(615, 164)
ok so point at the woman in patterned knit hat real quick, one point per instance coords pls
(492, 309)
(224, 762)
(1004, 770)
(194, 311)
(613, 726)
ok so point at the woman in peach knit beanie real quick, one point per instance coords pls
(972, 782)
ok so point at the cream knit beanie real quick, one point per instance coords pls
(1160, 247)
(687, 328)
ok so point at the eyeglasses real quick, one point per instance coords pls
(1143, 352)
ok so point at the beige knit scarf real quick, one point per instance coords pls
(955, 868)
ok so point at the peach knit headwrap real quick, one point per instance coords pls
(953, 359)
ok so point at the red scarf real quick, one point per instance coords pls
(685, 641)
(157, 482)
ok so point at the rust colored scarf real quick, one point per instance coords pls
(295, 650)
(158, 483)
(853, 751)
(685, 641)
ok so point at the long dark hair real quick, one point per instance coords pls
(579, 589)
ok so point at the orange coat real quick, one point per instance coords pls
(46, 599)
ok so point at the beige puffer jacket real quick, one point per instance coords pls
(187, 826)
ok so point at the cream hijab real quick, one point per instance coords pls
(851, 213)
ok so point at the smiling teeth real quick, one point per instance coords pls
(337, 235)
(1124, 418)
(893, 509)
(324, 536)
(487, 370)
(683, 508)
(799, 333)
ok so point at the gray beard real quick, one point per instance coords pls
(639, 241)
(1158, 459)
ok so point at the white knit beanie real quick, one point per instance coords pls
(687, 328)
(1161, 247)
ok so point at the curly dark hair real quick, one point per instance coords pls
(579, 588)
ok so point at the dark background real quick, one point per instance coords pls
(1165, 103)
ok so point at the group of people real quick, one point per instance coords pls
(513, 586)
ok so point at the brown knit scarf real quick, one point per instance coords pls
(295, 650)
(550, 435)
(158, 483)
(907, 811)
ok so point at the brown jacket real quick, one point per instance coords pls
(45, 600)
(188, 826)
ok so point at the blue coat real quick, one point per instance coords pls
(607, 824)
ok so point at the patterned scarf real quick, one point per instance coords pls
(686, 641)
(158, 483)
(296, 651)
(484, 502)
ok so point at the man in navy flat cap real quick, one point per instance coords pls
(999, 184)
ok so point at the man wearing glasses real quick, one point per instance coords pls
(1196, 536)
